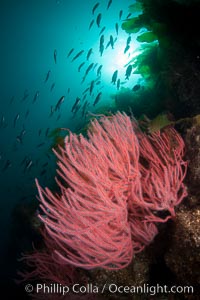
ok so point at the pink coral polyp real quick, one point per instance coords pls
(112, 184)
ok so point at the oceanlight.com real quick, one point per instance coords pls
(56, 288)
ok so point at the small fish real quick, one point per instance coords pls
(77, 101)
(68, 91)
(109, 4)
(77, 55)
(58, 117)
(47, 131)
(40, 145)
(84, 108)
(108, 44)
(101, 44)
(89, 68)
(98, 19)
(29, 164)
(43, 172)
(95, 7)
(99, 70)
(126, 49)
(136, 87)
(101, 49)
(91, 87)
(114, 77)
(84, 97)
(128, 40)
(102, 30)
(91, 23)
(80, 66)
(87, 71)
(95, 65)
(23, 161)
(15, 120)
(128, 16)
(47, 76)
(20, 136)
(3, 123)
(98, 97)
(101, 41)
(128, 71)
(118, 83)
(55, 56)
(39, 132)
(112, 41)
(117, 28)
(18, 139)
(27, 113)
(36, 96)
(52, 86)
(89, 53)
(7, 165)
(60, 101)
(120, 14)
(44, 165)
(52, 111)
(70, 52)
(85, 91)
(25, 95)
(12, 99)
(76, 110)
(48, 156)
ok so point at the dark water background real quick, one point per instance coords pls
(30, 32)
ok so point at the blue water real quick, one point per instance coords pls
(30, 33)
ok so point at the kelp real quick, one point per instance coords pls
(147, 37)
(147, 63)
(132, 25)
(163, 120)
(135, 7)
(159, 122)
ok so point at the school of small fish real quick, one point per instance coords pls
(89, 98)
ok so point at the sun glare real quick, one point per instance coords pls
(118, 59)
